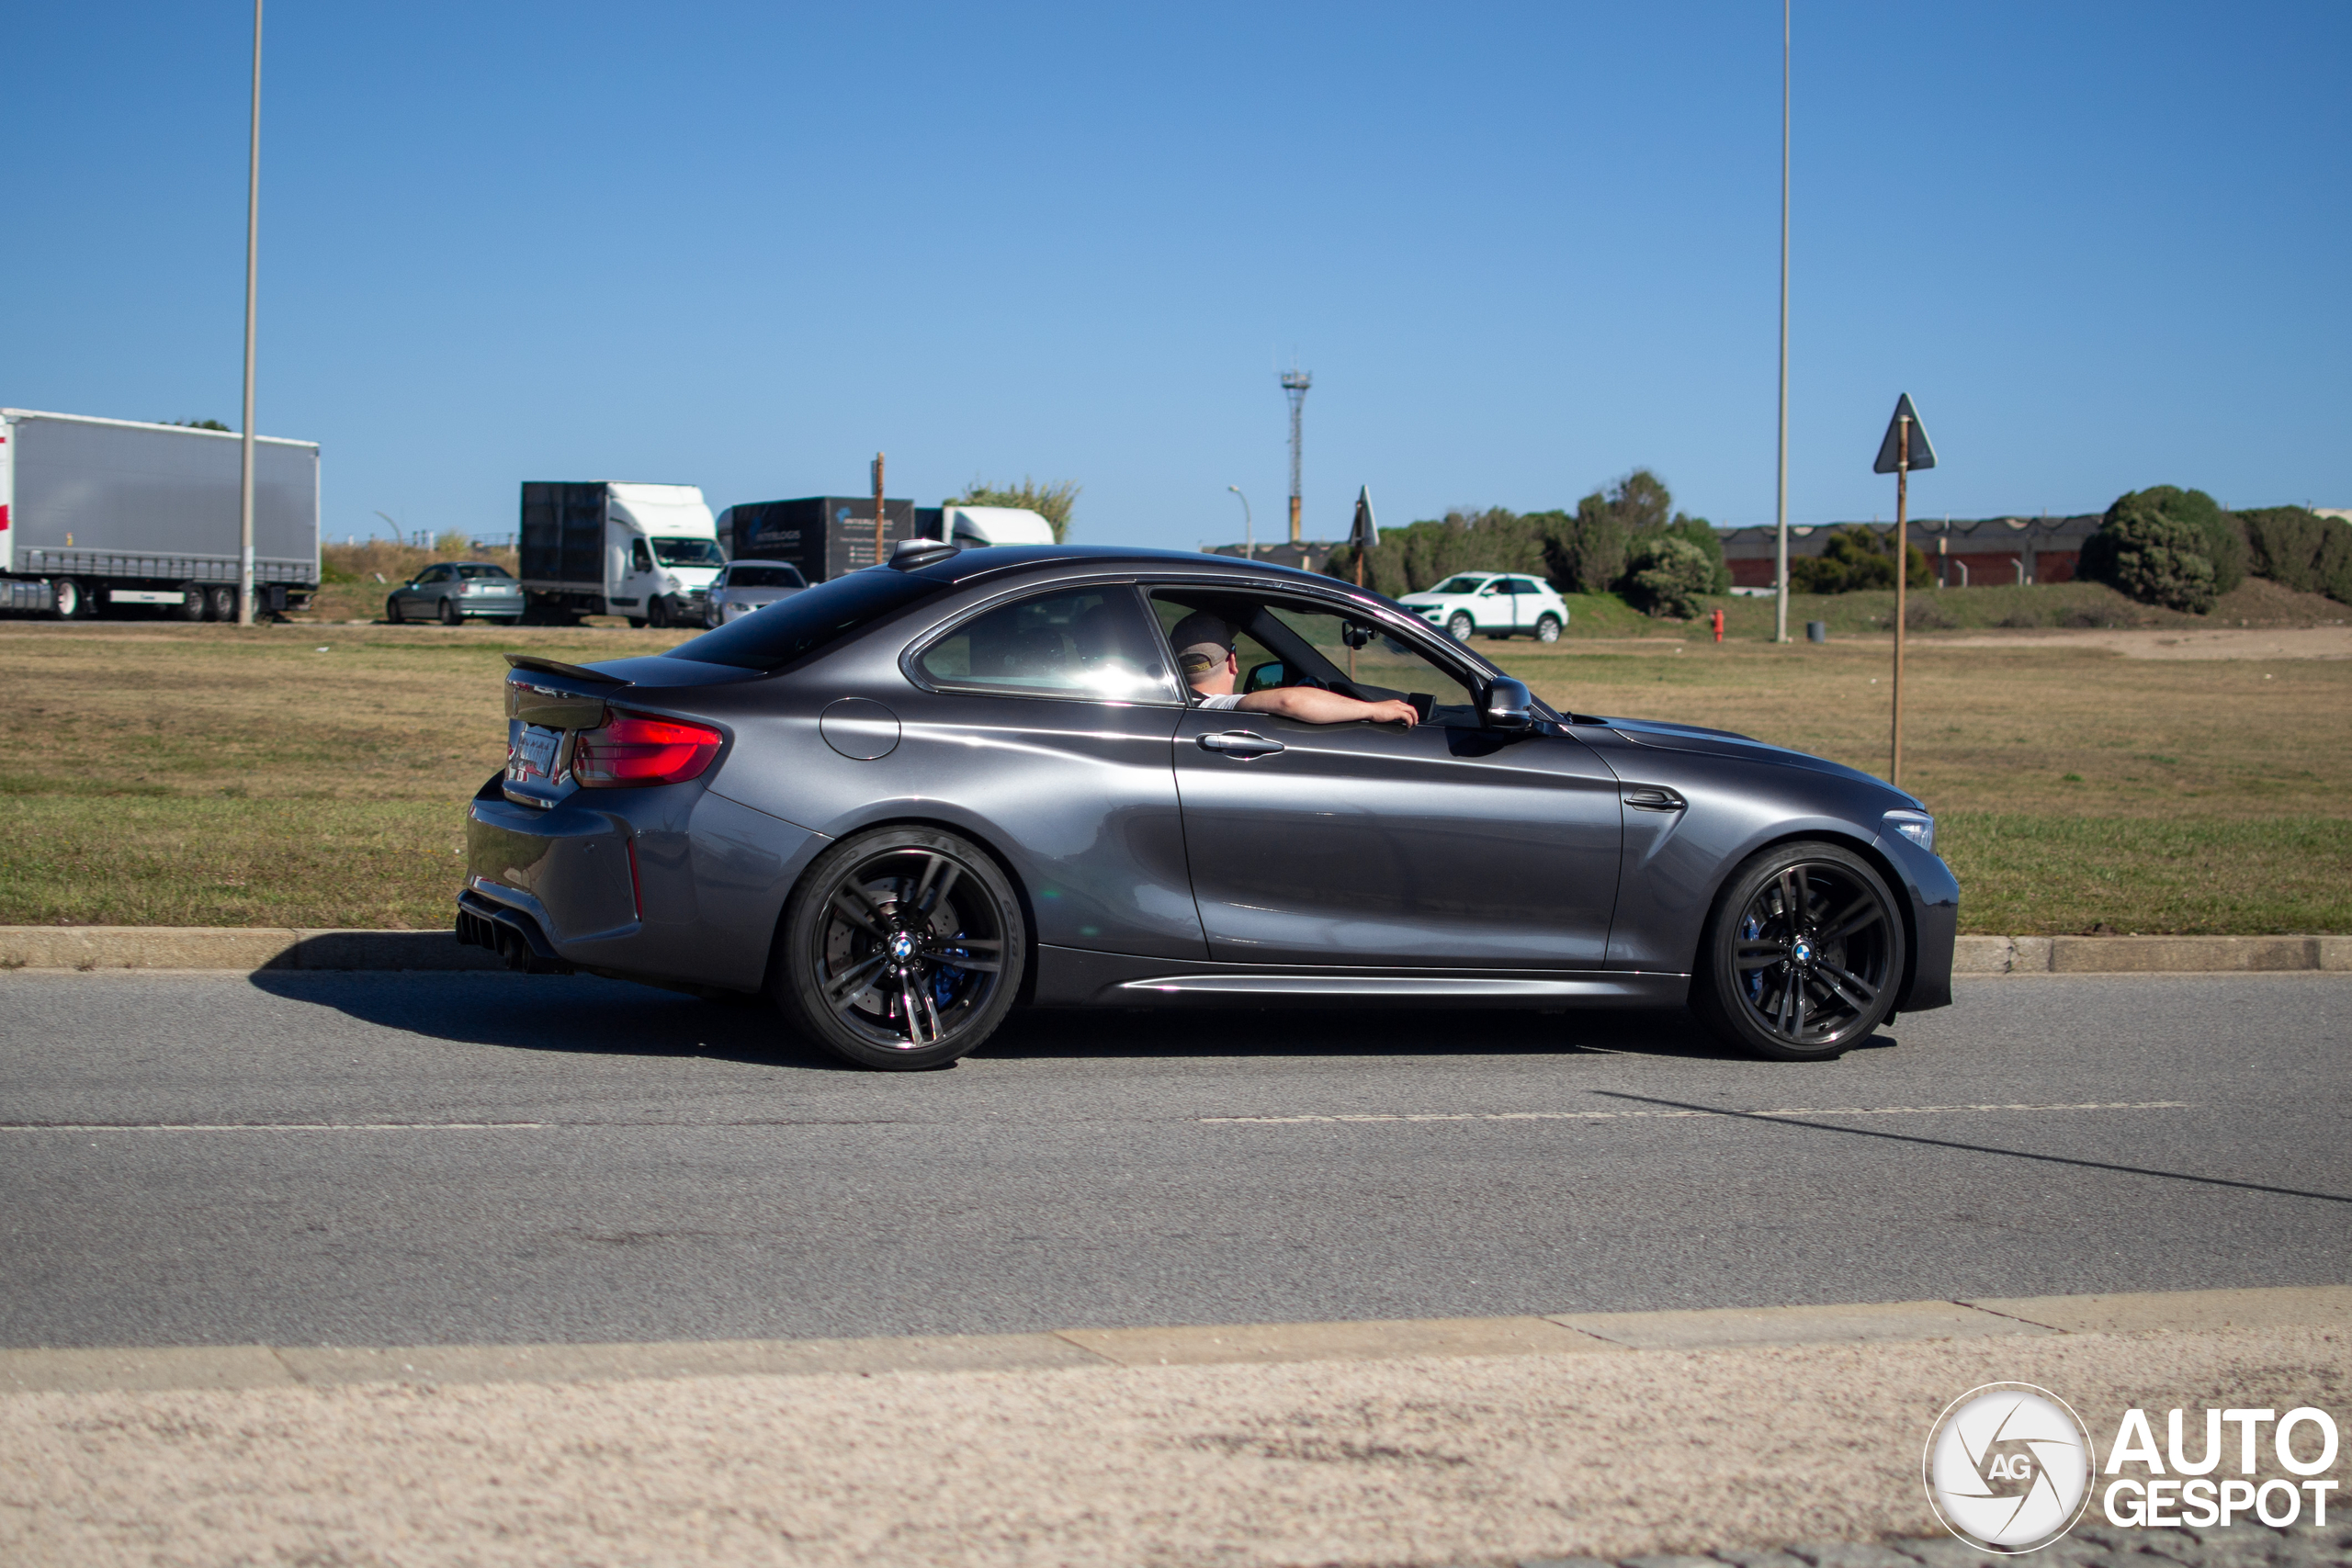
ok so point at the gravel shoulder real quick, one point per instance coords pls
(1485, 1460)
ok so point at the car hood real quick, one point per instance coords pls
(1730, 743)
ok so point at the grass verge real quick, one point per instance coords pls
(169, 774)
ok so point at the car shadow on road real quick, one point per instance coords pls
(581, 1015)
(573, 1015)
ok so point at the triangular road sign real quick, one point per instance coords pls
(1923, 455)
(1365, 535)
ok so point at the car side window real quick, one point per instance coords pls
(1091, 643)
(434, 574)
(640, 557)
(1283, 643)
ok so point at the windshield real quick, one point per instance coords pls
(477, 572)
(793, 628)
(1462, 584)
(765, 577)
(687, 552)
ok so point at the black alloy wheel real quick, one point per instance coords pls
(902, 949)
(1803, 956)
(451, 616)
(1461, 626)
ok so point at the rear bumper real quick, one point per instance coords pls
(669, 883)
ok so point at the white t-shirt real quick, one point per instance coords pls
(1230, 700)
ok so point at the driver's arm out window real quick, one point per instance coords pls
(1383, 667)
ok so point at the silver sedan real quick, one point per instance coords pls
(748, 585)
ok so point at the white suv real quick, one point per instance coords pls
(1499, 604)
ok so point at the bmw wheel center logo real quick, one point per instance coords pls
(2008, 1467)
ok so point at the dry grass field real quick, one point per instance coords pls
(161, 774)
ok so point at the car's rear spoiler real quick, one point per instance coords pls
(571, 672)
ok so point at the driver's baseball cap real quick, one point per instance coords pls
(1201, 641)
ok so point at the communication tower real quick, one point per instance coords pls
(1295, 385)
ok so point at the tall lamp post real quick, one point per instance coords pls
(253, 251)
(1248, 529)
(1780, 510)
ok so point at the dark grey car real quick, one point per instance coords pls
(912, 798)
(453, 592)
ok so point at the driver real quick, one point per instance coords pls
(1204, 653)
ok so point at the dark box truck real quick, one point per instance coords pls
(824, 536)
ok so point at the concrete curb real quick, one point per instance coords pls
(237, 948)
(247, 948)
(2149, 954)
(1255, 1344)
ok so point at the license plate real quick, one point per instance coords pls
(535, 753)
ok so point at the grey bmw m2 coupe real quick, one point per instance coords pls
(918, 796)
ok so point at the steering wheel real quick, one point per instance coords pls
(1309, 680)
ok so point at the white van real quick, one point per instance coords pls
(973, 526)
(645, 551)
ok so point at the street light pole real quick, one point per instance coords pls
(1781, 549)
(1248, 529)
(253, 252)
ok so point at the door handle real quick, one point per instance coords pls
(1651, 798)
(1241, 743)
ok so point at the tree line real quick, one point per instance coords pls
(2183, 549)
(1627, 538)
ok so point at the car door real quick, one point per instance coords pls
(1493, 605)
(422, 596)
(1442, 846)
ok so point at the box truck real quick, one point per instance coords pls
(644, 551)
(826, 536)
(97, 513)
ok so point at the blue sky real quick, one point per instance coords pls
(1522, 248)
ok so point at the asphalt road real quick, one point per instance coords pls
(411, 1159)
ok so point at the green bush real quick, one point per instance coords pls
(2299, 549)
(1856, 558)
(1667, 575)
(2215, 536)
(2147, 552)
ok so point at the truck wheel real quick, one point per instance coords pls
(1460, 626)
(191, 605)
(449, 613)
(225, 602)
(65, 602)
(657, 613)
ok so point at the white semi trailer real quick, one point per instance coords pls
(97, 513)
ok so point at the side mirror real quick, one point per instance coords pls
(1356, 636)
(1509, 705)
(1263, 677)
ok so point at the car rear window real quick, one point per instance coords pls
(764, 577)
(795, 628)
(476, 572)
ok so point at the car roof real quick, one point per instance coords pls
(975, 562)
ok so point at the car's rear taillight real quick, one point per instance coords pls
(630, 749)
